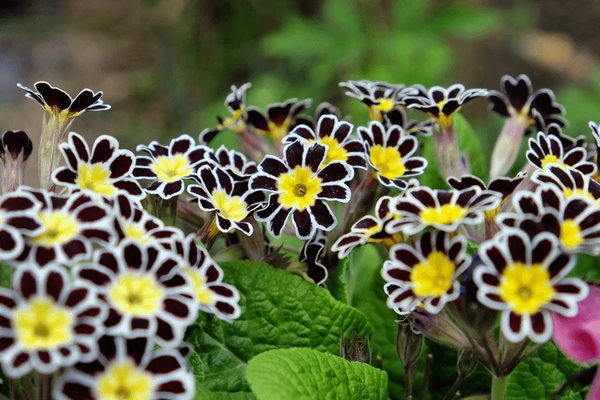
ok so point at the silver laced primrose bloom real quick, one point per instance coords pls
(61, 110)
(442, 104)
(380, 98)
(517, 104)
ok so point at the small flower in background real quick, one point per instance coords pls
(213, 295)
(278, 120)
(105, 170)
(390, 154)
(337, 136)
(62, 109)
(324, 108)
(441, 103)
(596, 155)
(554, 129)
(569, 181)
(235, 103)
(547, 150)
(69, 226)
(128, 369)
(311, 254)
(18, 217)
(578, 336)
(519, 104)
(574, 221)
(233, 162)
(146, 289)
(15, 149)
(416, 128)
(168, 166)
(445, 210)
(370, 229)
(427, 274)
(48, 321)
(133, 223)
(517, 99)
(232, 201)
(527, 280)
(380, 98)
(299, 186)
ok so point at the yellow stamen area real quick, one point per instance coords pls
(204, 295)
(385, 105)
(570, 234)
(299, 188)
(136, 232)
(59, 228)
(387, 161)
(526, 288)
(392, 240)
(234, 123)
(551, 158)
(580, 192)
(277, 132)
(171, 168)
(445, 120)
(335, 152)
(446, 214)
(43, 325)
(433, 277)
(95, 177)
(136, 294)
(232, 208)
(124, 381)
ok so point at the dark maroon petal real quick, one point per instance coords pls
(9, 241)
(257, 119)
(96, 276)
(54, 285)
(75, 247)
(173, 386)
(91, 213)
(28, 284)
(80, 147)
(517, 248)
(273, 166)
(163, 364)
(65, 175)
(399, 274)
(130, 186)
(84, 99)
(333, 172)
(293, 154)
(304, 223)
(514, 322)
(77, 296)
(334, 192)
(164, 330)
(177, 308)
(76, 391)
(278, 221)
(15, 202)
(133, 256)
(315, 156)
(54, 97)
(225, 308)
(322, 215)
(263, 182)
(97, 234)
(120, 166)
(103, 149)
(181, 145)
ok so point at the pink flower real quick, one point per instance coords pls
(579, 336)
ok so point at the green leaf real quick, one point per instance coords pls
(336, 281)
(469, 22)
(197, 367)
(431, 177)
(540, 375)
(279, 310)
(303, 374)
(468, 142)
(6, 274)
(587, 267)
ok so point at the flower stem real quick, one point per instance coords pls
(499, 388)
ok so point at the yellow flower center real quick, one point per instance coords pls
(580, 192)
(59, 228)
(95, 178)
(299, 188)
(385, 105)
(136, 232)
(277, 132)
(551, 158)
(335, 152)
(387, 161)
(43, 325)
(205, 296)
(136, 294)
(526, 288)
(446, 214)
(123, 381)
(171, 168)
(433, 277)
(570, 234)
(232, 208)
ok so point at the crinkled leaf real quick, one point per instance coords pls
(540, 375)
(587, 268)
(304, 374)
(279, 310)
(336, 281)
(197, 367)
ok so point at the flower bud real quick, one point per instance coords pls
(439, 328)
(357, 350)
(15, 148)
(467, 362)
(409, 344)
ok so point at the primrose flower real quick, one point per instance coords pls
(168, 166)
(104, 171)
(47, 321)
(128, 369)
(427, 274)
(380, 98)
(278, 120)
(337, 136)
(69, 226)
(574, 221)
(416, 128)
(232, 201)
(596, 157)
(300, 186)
(311, 254)
(62, 110)
(370, 229)
(146, 289)
(445, 210)
(15, 149)
(569, 181)
(233, 162)
(213, 295)
(527, 280)
(554, 129)
(442, 103)
(322, 109)
(235, 103)
(548, 149)
(390, 154)
(18, 218)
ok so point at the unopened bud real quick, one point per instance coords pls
(439, 328)
(357, 350)
(467, 362)
(15, 148)
(409, 344)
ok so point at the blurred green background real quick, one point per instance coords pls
(166, 65)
